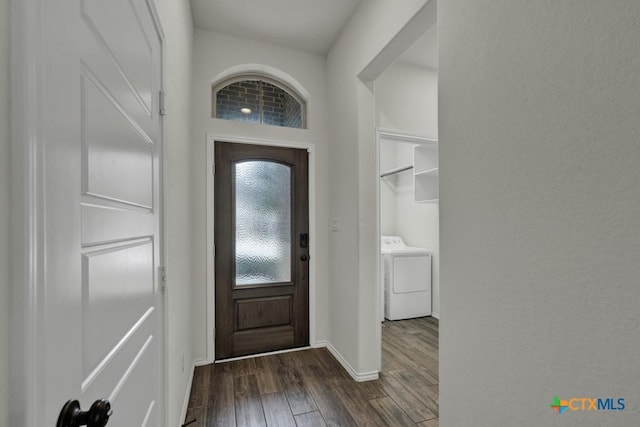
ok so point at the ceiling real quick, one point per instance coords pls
(309, 25)
(424, 52)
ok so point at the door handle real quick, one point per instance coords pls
(304, 257)
(97, 416)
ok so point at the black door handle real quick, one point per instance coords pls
(304, 257)
(97, 416)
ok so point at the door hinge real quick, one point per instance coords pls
(162, 278)
(161, 101)
(213, 169)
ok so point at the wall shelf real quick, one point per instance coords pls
(433, 171)
(425, 164)
(425, 172)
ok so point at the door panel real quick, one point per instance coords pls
(118, 157)
(102, 212)
(131, 285)
(121, 327)
(262, 270)
(117, 223)
(259, 312)
(131, 51)
(259, 341)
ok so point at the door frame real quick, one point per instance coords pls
(210, 211)
(398, 136)
(28, 213)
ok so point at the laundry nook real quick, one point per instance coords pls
(406, 272)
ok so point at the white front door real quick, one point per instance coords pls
(100, 311)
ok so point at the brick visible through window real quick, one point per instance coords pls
(258, 101)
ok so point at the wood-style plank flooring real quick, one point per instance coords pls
(310, 388)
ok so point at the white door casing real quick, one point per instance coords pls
(92, 166)
(210, 179)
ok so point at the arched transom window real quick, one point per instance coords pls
(258, 99)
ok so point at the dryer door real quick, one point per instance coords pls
(411, 273)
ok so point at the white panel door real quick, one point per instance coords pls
(100, 315)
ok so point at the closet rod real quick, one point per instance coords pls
(396, 170)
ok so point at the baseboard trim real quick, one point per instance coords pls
(320, 344)
(359, 377)
(201, 362)
(185, 404)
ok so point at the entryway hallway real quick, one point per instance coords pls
(310, 388)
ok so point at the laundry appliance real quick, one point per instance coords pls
(406, 273)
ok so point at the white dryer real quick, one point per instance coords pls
(407, 279)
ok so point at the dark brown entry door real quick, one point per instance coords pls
(262, 248)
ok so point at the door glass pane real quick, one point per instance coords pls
(263, 222)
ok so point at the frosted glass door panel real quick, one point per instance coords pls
(262, 222)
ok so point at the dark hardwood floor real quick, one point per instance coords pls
(310, 388)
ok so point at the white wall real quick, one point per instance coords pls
(5, 142)
(213, 54)
(353, 286)
(388, 189)
(406, 99)
(178, 27)
(540, 200)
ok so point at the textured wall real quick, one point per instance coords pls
(5, 142)
(540, 210)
